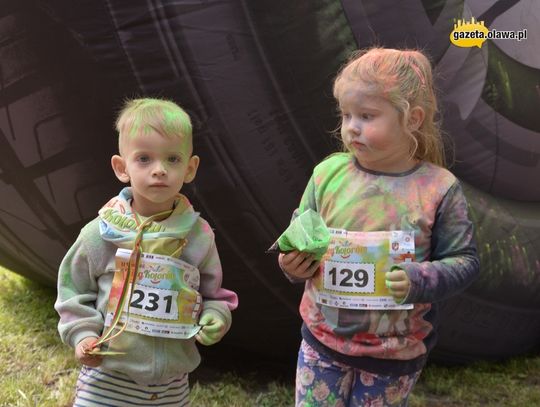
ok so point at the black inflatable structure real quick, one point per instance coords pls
(256, 78)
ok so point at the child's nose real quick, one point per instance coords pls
(159, 169)
(354, 127)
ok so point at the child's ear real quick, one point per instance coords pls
(191, 171)
(119, 168)
(416, 118)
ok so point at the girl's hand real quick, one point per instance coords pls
(213, 329)
(298, 264)
(81, 352)
(398, 284)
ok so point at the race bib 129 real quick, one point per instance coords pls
(352, 274)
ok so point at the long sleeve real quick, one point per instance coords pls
(308, 200)
(215, 297)
(453, 262)
(77, 296)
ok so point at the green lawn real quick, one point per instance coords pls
(37, 370)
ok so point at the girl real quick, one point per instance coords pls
(390, 179)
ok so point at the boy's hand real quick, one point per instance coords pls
(398, 284)
(298, 264)
(81, 352)
(213, 329)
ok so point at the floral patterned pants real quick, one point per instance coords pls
(323, 382)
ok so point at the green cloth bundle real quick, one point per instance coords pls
(307, 233)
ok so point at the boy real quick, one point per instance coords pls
(176, 295)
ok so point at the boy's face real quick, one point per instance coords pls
(157, 167)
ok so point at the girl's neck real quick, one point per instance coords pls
(389, 166)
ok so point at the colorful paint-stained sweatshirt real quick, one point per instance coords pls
(86, 275)
(427, 200)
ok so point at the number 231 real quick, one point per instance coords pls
(152, 303)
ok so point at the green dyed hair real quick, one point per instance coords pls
(142, 116)
(405, 79)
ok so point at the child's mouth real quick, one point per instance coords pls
(358, 145)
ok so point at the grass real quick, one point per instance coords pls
(37, 370)
(233, 391)
(515, 382)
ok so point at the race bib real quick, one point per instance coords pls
(165, 300)
(352, 273)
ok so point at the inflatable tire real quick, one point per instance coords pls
(256, 79)
(55, 136)
(472, 329)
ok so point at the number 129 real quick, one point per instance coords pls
(360, 277)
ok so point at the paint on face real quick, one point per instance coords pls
(168, 121)
(372, 131)
(157, 166)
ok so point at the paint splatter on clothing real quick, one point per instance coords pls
(427, 200)
(85, 279)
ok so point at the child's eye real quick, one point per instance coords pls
(345, 116)
(174, 159)
(367, 116)
(143, 159)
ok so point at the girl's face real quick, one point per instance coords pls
(371, 130)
